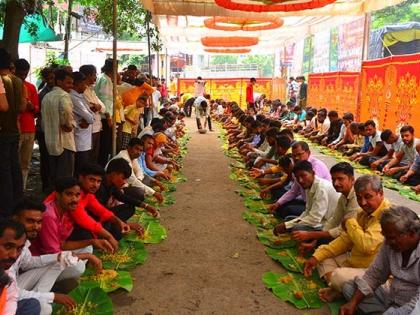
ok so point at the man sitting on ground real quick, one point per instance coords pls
(377, 147)
(405, 156)
(137, 178)
(293, 201)
(343, 180)
(353, 251)
(39, 274)
(321, 200)
(398, 259)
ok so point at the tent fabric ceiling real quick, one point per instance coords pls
(181, 22)
(209, 8)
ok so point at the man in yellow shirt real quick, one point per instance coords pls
(353, 251)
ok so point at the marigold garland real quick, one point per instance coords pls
(228, 51)
(233, 41)
(275, 6)
(244, 24)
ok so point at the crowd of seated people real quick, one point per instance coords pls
(89, 196)
(365, 248)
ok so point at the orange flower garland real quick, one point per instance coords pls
(228, 51)
(234, 41)
(244, 24)
(275, 6)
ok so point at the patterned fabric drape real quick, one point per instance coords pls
(334, 91)
(390, 91)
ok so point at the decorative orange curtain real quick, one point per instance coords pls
(232, 89)
(334, 91)
(391, 91)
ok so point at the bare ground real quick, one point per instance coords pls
(211, 262)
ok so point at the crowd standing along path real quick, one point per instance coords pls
(211, 262)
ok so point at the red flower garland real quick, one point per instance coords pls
(281, 7)
(244, 24)
(234, 41)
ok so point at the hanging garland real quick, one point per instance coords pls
(228, 51)
(231, 23)
(234, 41)
(274, 5)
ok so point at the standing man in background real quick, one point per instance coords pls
(10, 172)
(27, 120)
(250, 93)
(303, 92)
(199, 87)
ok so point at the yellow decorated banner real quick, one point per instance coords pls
(234, 89)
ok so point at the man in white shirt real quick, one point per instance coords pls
(138, 177)
(321, 201)
(96, 106)
(199, 87)
(15, 257)
(58, 125)
(343, 180)
(202, 110)
(84, 118)
(156, 96)
(36, 277)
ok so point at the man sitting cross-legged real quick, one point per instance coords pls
(391, 285)
(293, 201)
(349, 254)
(321, 200)
(38, 274)
(138, 178)
(343, 180)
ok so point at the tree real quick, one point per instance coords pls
(264, 62)
(408, 11)
(12, 14)
(223, 59)
(131, 19)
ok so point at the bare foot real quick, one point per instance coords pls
(328, 295)
(416, 189)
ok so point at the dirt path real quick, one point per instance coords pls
(211, 262)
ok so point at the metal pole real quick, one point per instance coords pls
(114, 76)
(366, 31)
(148, 46)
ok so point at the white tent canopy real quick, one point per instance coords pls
(181, 22)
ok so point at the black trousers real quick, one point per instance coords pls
(61, 166)
(209, 123)
(105, 147)
(81, 158)
(11, 183)
(291, 208)
(44, 160)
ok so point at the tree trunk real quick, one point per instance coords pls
(68, 30)
(13, 20)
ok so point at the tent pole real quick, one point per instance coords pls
(114, 76)
(366, 32)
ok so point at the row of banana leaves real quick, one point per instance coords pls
(92, 293)
(290, 286)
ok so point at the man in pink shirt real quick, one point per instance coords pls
(27, 119)
(292, 203)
